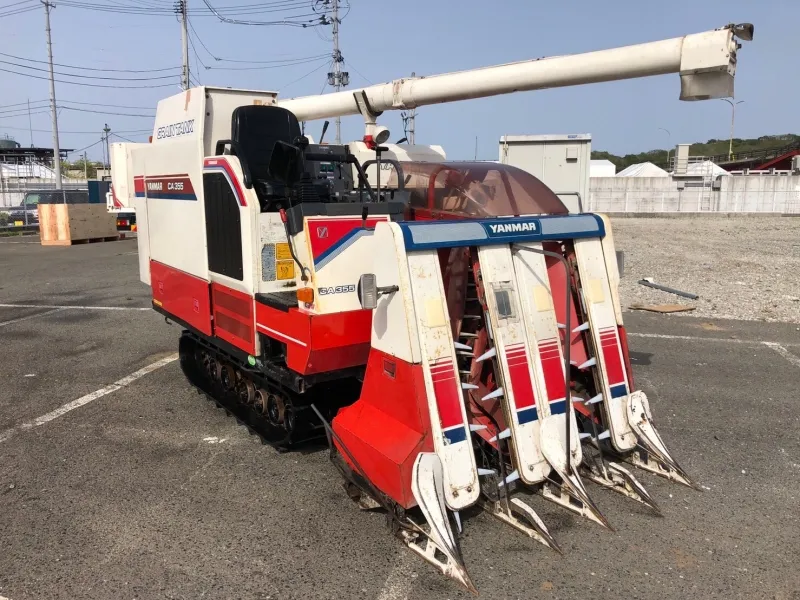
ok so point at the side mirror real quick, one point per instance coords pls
(368, 291)
(620, 262)
(284, 164)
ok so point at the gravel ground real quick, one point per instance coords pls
(742, 268)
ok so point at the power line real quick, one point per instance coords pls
(25, 114)
(19, 11)
(123, 138)
(304, 76)
(16, 3)
(22, 66)
(82, 68)
(61, 104)
(105, 112)
(208, 11)
(133, 131)
(283, 62)
(364, 77)
(106, 105)
(94, 85)
(100, 141)
(287, 21)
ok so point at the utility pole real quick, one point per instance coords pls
(106, 131)
(338, 78)
(733, 117)
(85, 166)
(180, 8)
(56, 149)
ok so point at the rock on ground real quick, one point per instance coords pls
(741, 267)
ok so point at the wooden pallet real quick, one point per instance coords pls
(83, 241)
(68, 224)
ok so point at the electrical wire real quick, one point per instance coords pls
(16, 4)
(299, 62)
(22, 66)
(283, 62)
(60, 131)
(124, 138)
(100, 141)
(352, 66)
(82, 68)
(19, 11)
(105, 112)
(103, 104)
(44, 112)
(328, 64)
(94, 85)
(286, 21)
(60, 102)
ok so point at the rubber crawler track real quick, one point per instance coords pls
(231, 385)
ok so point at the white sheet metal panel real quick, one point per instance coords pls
(335, 272)
(522, 407)
(394, 323)
(599, 304)
(547, 358)
(451, 434)
(175, 228)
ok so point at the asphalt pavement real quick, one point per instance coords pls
(142, 489)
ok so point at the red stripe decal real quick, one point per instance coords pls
(237, 188)
(448, 401)
(612, 357)
(324, 233)
(521, 383)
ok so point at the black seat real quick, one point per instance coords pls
(254, 131)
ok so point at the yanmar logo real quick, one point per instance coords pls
(524, 227)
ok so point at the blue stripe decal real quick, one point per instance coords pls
(426, 235)
(340, 246)
(619, 390)
(455, 435)
(558, 407)
(526, 415)
(171, 196)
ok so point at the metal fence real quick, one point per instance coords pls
(12, 191)
(15, 216)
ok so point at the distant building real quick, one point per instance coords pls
(13, 153)
(645, 169)
(602, 168)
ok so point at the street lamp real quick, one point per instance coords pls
(733, 117)
(669, 143)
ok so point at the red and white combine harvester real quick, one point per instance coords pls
(450, 327)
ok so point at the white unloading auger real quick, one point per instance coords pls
(705, 61)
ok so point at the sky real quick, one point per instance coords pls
(382, 40)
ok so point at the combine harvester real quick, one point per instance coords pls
(455, 333)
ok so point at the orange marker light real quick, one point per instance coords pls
(306, 295)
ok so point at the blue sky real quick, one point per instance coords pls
(383, 40)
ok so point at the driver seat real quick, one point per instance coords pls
(254, 131)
